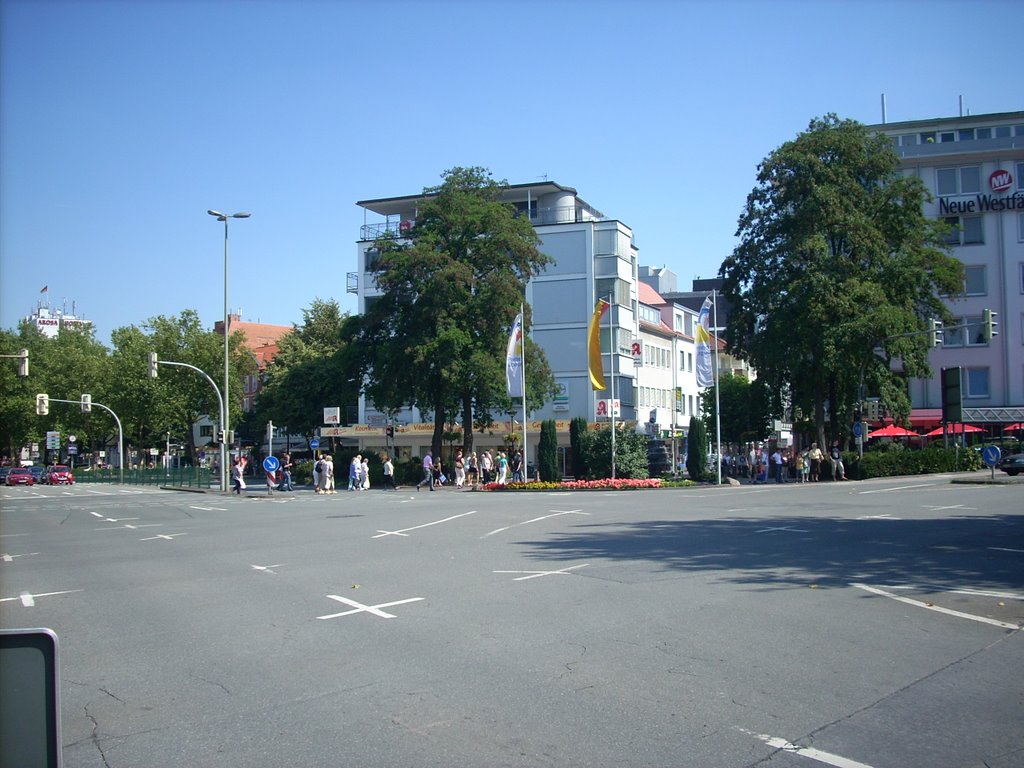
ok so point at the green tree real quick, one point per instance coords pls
(315, 367)
(451, 288)
(547, 453)
(630, 453)
(577, 446)
(696, 450)
(746, 409)
(836, 260)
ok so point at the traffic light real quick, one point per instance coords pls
(270, 431)
(86, 403)
(936, 336)
(857, 416)
(152, 365)
(42, 404)
(989, 326)
(23, 363)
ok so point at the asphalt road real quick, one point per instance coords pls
(853, 624)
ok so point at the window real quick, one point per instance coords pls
(977, 382)
(372, 256)
(1020, 176)
(947, 136)
(928, 137)
(953, 334)
(1020, 227)
(967, 230)
(958, 181)
(966, 134)
(974, 280)
(607, 285)
(984, 133)
(973, 332)
(1002, 131)
(206, 430)
(906, 140)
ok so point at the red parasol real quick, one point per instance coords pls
(893, 431)
(955, 429)
(1012, 427)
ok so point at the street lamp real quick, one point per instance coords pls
(227, 399)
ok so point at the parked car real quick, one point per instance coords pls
(1011, 464)
(4, 471)
(59, 474)
(38, 473)
(21, 476)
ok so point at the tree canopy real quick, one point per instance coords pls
(836, 264)
(450, 290)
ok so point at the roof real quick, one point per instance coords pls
(259, 334)
(647, 295)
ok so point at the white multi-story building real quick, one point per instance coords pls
(592, 257)
(974, 167)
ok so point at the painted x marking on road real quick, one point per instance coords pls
(538, 574)
(404, 531)
(167, 536)
(360, 608)
(266, 568)
(782, 528)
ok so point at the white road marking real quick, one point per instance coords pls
(166, 536)
(987, 593)
(878, 517)
(538, 574)
(939, 609)
(267, 568)
(951, 506)
(814, 754)
(898, 488)
(1006, 549)
(360, 608)
(555, 513)
(28, 599)
(403, 531)
(129, 526)
(782, 528)
(10, 558)
(99, 493)
(210, 509)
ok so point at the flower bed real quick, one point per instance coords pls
(607, 484)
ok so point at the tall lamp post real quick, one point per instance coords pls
(227, 398)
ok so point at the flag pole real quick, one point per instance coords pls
(611, 368)
(522, 351)
(717, 376)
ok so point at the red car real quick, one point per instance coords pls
(59, 474)
(21, 476)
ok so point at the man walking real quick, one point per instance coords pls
(838, 470)
(428, 473)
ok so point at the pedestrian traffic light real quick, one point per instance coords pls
(989, 326)
(42, 404)
(23, 363)
(389, 431)
(86, 403)
(935, 339)
(152, 365)
(857, 419)
(270, 431)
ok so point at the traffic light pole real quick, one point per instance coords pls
(120, 431)
(220, 402)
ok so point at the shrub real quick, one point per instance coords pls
(696, 445)
(547, 452)
(577, 446)
(891, 462)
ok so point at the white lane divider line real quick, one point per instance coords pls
(360, 608)
(538, 574)
(554, 513)
(405, 531)
(938, 609)
(898, 488)
(814, 754)
(267, 568)
(28, 599)
(10, 558)
(209, 509)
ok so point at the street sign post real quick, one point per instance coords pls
(991, 455)
(314, 444)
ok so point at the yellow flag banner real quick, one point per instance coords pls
(594, 345)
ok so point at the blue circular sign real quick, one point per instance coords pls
(858, 429)
(271, 464)
(990, 455)
(314, 444)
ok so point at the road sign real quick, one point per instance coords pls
(72, 450)
(314, 444)
(52, 440)
(271, 464)
(72, 438)
(858, 429)
(990, 455)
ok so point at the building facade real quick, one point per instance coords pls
(592, 257)
(974, 167)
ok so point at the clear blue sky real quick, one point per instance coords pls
(121, 123)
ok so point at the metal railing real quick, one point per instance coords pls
(185, 477)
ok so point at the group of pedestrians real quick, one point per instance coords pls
(809, 465)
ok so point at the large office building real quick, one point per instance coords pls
(974, 167)
(592, 257)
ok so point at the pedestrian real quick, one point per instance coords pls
(428, 473)
(389, 473)
(516, 465)
(777, 465)
(804, 455)
(439, 477)
(486, 465)
(816, 456)
(502, 468)
(460, 469)
(364, 474)
(353, 472)
(473, 469)
(838, 469)
(236, 477)
(318, 466)
(329, 471)
(286, 474)
(800, 464)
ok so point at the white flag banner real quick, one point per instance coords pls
(514, 359)
(705, 373)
